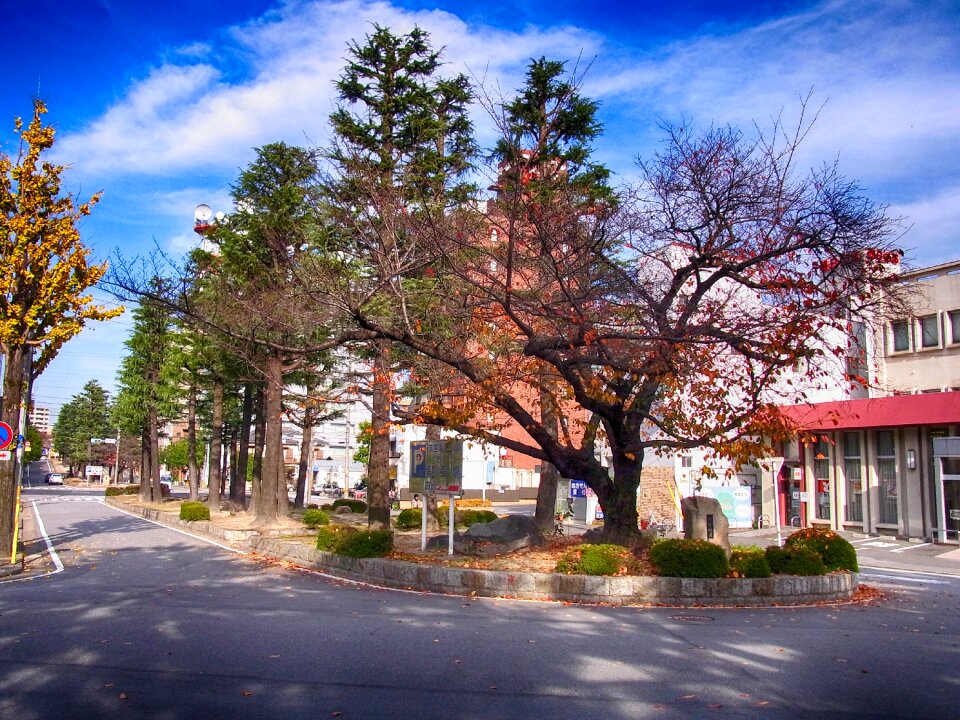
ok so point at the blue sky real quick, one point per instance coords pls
(160, 104)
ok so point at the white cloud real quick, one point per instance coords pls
(934, 221)
(189, 116)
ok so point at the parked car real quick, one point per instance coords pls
(331, 489)
(55, 478)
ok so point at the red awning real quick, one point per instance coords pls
(895, 411)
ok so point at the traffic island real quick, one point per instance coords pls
(623, 590)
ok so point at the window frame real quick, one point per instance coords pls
(905, 334)
(922, 343)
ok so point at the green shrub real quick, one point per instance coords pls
(794, 561)
(469, 517)
(749, 563)
(314, 517)
(131, 490)
(604, 559)
(357, 506)
(366, 544)
(409, 518)
(191, 511)
(313, 506)
(329, 537)
(835, 551)
(113, 490)
(689, 558)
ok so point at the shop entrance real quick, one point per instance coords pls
(946, 453)
(792, 497)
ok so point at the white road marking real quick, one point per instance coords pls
(53, 552)
(905, 579)
(911, 547)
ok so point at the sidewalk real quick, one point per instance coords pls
(873, 552)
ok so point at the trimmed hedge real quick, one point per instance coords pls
(835, 551)
(357, 506)
(602, 559)
(469, 517)
(749, 562)
(679, 557)
(114, 490)
(345, 540)
(314, 517)
(409, 518)
(794, 561)
(329, 536)
(191, 511)
(366, 544)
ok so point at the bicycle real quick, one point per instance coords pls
(660, 527)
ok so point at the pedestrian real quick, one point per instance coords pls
(416, 501)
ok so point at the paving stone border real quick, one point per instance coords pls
(631, 590)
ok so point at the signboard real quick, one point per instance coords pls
(436, 466)
(6, 435)
(578, 488)
(735, 503)
(5, 454)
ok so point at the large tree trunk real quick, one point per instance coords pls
(259, 440)
(549, 476)
(238, 491)
(216, 447)
(193, 471)
(146, 464)
(267, 510)
(12, 396)
(378, 470)
(306, 447)
(618, 499)
(153, 432)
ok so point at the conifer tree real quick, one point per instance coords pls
(402, 143)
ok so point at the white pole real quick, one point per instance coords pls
(116, 462)
(450, 526)
(423, 522)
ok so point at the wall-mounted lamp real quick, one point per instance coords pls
(911, 459)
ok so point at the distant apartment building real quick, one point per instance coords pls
(40, 419)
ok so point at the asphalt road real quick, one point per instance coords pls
(146, 622)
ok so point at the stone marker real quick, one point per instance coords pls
(493, 538)
(704, 520)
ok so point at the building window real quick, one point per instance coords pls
(853, 473)
(686, 461)
(887, 476)
(900, 330)
(955, 327)
(857, 354)
(929, 331)
(821, 476)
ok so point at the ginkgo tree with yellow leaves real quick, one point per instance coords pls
(44, 277)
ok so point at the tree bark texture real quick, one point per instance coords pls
(378, 471)
(12, 396)
(216, 447)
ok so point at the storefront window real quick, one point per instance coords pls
(853, 472)
(821, 474)
(887, 476)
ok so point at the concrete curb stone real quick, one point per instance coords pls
(629, 590)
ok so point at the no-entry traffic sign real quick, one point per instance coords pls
(6, 435)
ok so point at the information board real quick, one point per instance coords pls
(436, 466)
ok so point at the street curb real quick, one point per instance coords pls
(586, 589)
(11, 569)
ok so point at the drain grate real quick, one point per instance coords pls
(691, 618)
